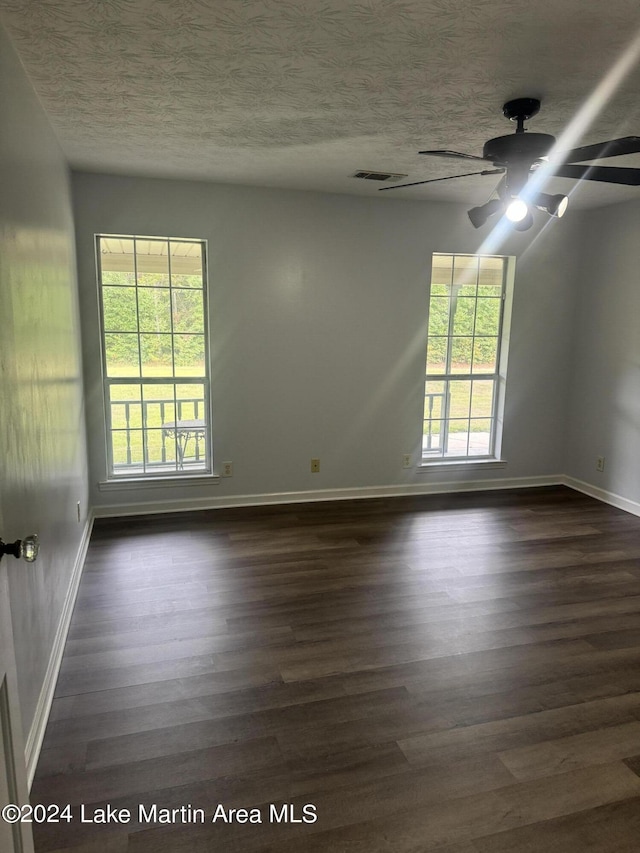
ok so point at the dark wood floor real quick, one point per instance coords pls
(457, 673)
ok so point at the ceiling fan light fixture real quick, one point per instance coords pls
(516, 210)
(479, 215)
(554, 205)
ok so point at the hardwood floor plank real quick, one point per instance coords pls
(235, 696)
(484, 701)
(125, 676)
(137, 777)
(612, 828)
(583, 750)
(218, 727)
(501, 735)
(117, 844)
(408, 653)
(135, 653)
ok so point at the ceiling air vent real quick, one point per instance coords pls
(378, 176)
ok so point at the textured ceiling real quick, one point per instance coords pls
(302, 93)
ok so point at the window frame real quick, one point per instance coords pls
(439, 456)
(146, 476)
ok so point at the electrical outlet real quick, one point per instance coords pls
(406, 460)
(227, 469)
(600, 463)
(315, 466)
(78, 510)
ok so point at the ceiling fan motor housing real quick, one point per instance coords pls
(530, 147)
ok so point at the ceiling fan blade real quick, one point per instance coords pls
(604, 174)
(447, 178)
(444, 152)
(612, 148)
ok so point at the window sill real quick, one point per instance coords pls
(146, 483)
(462, 464)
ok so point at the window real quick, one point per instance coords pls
(153, 304)
(466, 357)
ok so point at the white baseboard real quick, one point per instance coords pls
(603, 495)
(225, 502)
(43, 708)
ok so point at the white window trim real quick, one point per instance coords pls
(171, 478)
(496, 459)
(132, 483)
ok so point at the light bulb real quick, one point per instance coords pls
(516, 210)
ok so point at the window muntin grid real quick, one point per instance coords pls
(153, 305)
(466, 307)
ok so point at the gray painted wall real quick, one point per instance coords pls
(605, 399)
(42, 443)
(318, 309)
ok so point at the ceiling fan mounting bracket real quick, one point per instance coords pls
(521, 109)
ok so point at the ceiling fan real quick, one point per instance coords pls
(518, 155)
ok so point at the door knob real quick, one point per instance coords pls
(26, 548)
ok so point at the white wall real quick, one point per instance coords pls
(605, 401)
(318, 307)
(42, 444)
